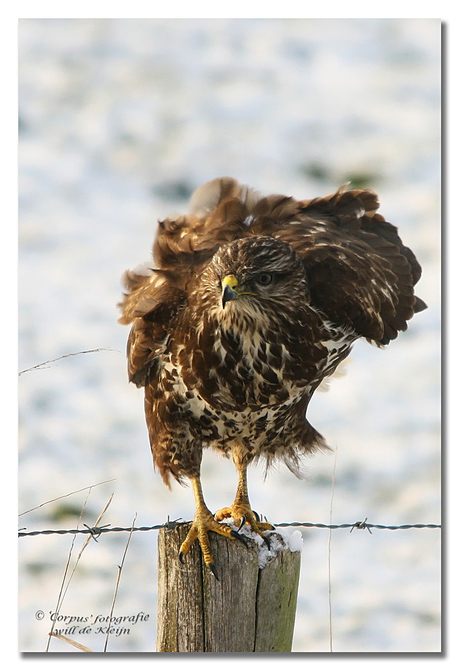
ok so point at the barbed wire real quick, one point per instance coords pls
(95, 532)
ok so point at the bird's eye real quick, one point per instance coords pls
(264, 279)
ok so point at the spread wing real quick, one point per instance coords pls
(151, 303)
(183, 245)
(361, 276)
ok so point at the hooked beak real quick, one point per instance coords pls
(229, 289)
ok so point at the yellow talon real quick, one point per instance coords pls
(202, 523)
(241, 513)
(240, 510)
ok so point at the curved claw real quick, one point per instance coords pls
(267, 541)
(238, 536)
(243, 522)
(181, 557)
(212, 568)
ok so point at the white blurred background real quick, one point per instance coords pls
(120, 119)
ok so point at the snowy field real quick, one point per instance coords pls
(119, 121)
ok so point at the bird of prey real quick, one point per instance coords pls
(252, 302)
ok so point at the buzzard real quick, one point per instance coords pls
(252, 302)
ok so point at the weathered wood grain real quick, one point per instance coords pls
(247, 610)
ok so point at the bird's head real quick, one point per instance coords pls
(252, 275)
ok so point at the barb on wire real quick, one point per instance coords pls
(95, 532)
(361, 525)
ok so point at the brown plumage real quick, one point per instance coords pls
(252, 303)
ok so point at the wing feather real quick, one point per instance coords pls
(154, 297)
(361, 276)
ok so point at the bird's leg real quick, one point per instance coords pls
(203, 522)
(240, 510)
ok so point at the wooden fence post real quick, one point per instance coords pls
(249, 609)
